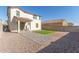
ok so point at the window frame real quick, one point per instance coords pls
(17, 13)
(39, 17)
(34, 16)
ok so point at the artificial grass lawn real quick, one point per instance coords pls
(44, 32)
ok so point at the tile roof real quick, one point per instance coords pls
(54, 21)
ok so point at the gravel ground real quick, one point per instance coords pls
(26, 42)
(67, 44)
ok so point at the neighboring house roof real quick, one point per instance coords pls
(54, 21)
(22, 19)
(23, 10)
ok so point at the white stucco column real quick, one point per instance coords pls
(18, 25)
(25, 26)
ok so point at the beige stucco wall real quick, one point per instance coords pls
(33, 25)
(65, 23)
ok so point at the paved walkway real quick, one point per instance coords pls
(67, 44)
(26, 42)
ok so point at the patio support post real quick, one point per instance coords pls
(18, 25)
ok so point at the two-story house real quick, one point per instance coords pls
(19, 20)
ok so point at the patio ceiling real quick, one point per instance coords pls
(22, 19)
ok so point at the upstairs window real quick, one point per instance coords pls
(17, 13)
(34, 17)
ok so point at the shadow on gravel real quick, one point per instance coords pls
(66, 44)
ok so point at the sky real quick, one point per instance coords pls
(69, 13)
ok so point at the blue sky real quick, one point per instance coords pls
(69, 13)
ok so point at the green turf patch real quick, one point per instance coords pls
(45, 32)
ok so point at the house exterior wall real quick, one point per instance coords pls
(12, 13)
(33, 25)
(22, 14)
(13, 26)
(52, 24)
(65, 23)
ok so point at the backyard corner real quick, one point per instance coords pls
(30, 33)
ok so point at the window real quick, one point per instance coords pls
(17, 13)
(36, 25)
(34, 17)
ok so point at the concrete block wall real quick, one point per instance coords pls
(1, 27)
(62, 28)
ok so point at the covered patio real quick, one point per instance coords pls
(22, 23)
